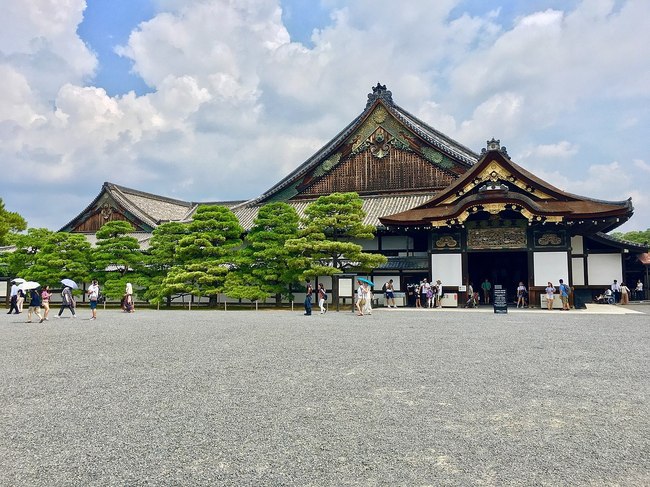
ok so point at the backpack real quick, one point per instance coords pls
(325, 296)
(384, 287)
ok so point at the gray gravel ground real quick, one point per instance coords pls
(275, 398)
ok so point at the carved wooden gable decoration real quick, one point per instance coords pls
(385, 150)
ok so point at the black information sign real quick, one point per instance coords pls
(499, 300)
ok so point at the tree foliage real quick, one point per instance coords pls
(265, 266)
(205, 254)
(637, 236)
(10, 224)
(327, 244)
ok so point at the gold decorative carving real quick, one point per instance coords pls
(496, 238)
(106, 211)
(549, 239)
(380, 114)
(446, 241)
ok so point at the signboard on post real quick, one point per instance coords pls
(500, 300)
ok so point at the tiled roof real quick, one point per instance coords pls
(156, 208)
(405, 264)
(373, 206)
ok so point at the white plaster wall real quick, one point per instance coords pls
(448, 268)
(550, 266)
(577, 245)
(604, 268)
(578, 271)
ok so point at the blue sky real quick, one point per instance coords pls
(190, 98)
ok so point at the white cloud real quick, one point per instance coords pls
(235, 105)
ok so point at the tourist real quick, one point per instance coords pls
(550, 292)
(424, 290)
(45, 299)
(309, 290)
(487, 288)
(564, 295)
(322, 297)
(439, 294)
(638, 290)
(616, 289)
(20, 299)
(93, 296)
(67, 301)
(34, 305)
(521, 295)
(13, 298)
(367, 309)
(390, 294)
(625, 294)
(360, 300)
(129, 306)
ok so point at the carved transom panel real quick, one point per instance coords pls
(496, 238)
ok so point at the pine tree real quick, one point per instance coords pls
(331, 225)
(263, 266)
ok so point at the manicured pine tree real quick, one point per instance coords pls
(20, 261)
(206, 253)
(116, 254)
(263, 266)
(62, 256)
(161, 256)
(326, 243)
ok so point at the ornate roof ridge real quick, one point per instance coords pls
(380, 94)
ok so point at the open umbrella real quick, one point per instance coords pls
(25, 286)
(69, 283)
(370, 283)
(18, 280)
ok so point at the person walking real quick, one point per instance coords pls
(309, 290)
(625, 294)
(13, 298)
(564, 295)
(20, 299)
(34, 305)
(67, 301)
(322, 297)
(93, 296)
(550, 292)
(367, 295)
(360, 303)
(45, 299)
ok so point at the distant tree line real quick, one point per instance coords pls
(208, 256)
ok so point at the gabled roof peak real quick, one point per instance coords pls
(494, 145)
(379, 92)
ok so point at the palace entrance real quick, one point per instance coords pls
(506, 268)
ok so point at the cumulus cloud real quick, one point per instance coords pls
(235, 104)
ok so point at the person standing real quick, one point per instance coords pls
(129, 306)
(564, 295)
(550, 294)
(439, 294)
(45, 299)
(367, 296)
(13, 298)
(20, 299)
(360, 303)
(34, 306)
(308, 293)
(322, 296)
(625, 294)
(67, 301)
(487, 288)
(638, 290)
(93, 296)
(521, 295)
(424, 291)
(390, 294)
(616, 289)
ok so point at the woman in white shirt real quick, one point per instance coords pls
(550, 291)
(521, 295)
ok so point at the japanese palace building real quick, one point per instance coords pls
(441, 210)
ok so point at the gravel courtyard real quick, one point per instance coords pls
(273, 398)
